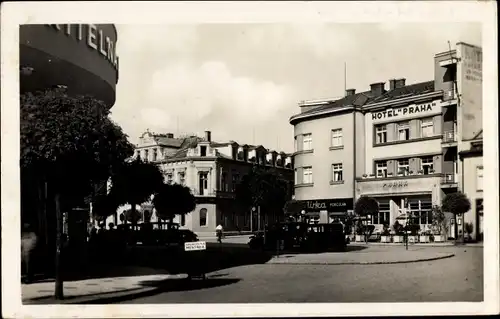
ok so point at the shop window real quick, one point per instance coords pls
(307, 142)
(403, 167)
(383, 215)
(381, 134)
(307, 175)
(421, 210)
(337, 174)
(427, 164)
(381, 169)
(403, 131)
(479, 178)
(427, 127)
(203, 217)
(337, 138)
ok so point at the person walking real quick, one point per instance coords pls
(219, 231)
(28, 244)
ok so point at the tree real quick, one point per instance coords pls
(134, 183)
(266, 188)
(457, 204)
(363, 207)
(68, 144)
(439, 220)
(172, 200)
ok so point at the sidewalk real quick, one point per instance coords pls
(365, 256)
(97, 290)
(443, 244)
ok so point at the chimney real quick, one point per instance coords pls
(349, 92)
(377, 89)
(170, 135)
(400, 83)
(392, 84)
(208, 136)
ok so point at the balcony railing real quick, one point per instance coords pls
(448, 179)
(449, 137)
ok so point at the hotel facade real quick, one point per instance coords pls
(407, 146)
(212, 170)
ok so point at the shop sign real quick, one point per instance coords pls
(405, 111)
(395, 184)
(93, 36)
(342, 204)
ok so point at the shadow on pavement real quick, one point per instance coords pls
(349, 248)
(167, 285)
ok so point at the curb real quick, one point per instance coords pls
(364, 262)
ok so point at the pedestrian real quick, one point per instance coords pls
(219, 230)
(28, 244)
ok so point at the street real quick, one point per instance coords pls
(454, 279)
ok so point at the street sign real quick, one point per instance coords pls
(195, 245)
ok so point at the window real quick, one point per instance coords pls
(337, 138)
(381, 134)
(183, 219)
(307, 175)
(223, 181)
(182, 178)
(403, 167)
(169, 178)
(383, 213)
(235, 178)
(295, 146)
(203, 150)
(155, 154)
(421, 210)
(404, 131)
(295, 176)
(427, 127)
(138, 154)
(427, 165)
(381, 169)
(479, 178)
(307, 142)
(146, 155)
(203, 217)
(337, 175)
(203, 183)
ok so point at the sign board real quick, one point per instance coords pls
(330, 205)
(195, 245)
(470, 87)
(408, 111)
(379, 187)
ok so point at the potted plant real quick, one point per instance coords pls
(365, 175)
(420, 172)
(412, 231)
(360, 232)
(469, 229)
(390, 174)
(439, 225)
(425, 237)
(386, 234)
(372, 175)
(398, 232)
(432, 171)
(411, 172)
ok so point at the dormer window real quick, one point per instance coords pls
(203, 151)
(241, 156)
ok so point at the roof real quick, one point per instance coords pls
(366, 98)
(167, 141)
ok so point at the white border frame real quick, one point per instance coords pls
(13, 14)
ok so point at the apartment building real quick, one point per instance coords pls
(212, 170)
(398, 144)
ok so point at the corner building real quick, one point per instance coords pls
(407, 146)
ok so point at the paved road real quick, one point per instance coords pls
(455, 279)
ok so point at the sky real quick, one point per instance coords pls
(242, 82)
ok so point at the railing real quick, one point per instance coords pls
(449, 137)
(448, 179)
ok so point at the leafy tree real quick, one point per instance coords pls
(264, 187)
(68, 144)
(363, 207)
(133, 216)
(457, 204)
(439, 220)
(172, 200)
(134, 183)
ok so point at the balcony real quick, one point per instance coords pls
(449, 139)
(449, 180)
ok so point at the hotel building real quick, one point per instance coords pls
(407, 146)
(212, 170)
